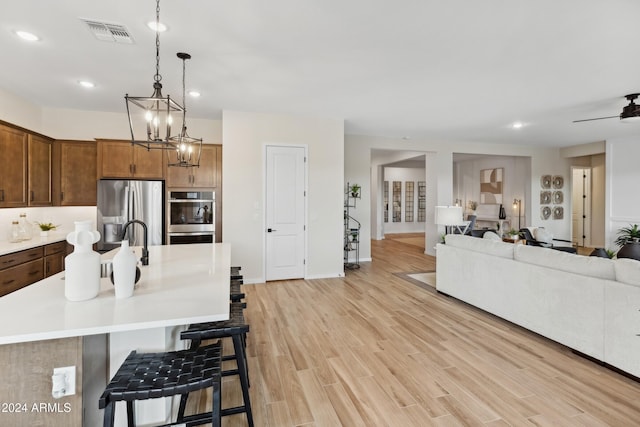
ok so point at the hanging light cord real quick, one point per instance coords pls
(157, 77)
(183, 131)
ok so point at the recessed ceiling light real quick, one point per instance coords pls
(194, 93)
(160, 26)
(517, 125)
(25, 35)
(86, 83)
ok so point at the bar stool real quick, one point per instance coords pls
(235, 292)
(145, 376)
(236, 328)
(235, 285)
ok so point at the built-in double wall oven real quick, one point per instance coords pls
(191, 216)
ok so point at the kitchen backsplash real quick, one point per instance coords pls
(63, 216)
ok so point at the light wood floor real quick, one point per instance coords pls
(372, 349)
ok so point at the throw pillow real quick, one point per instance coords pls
(542, 235)
(491, 236)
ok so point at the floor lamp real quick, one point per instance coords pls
(517, 203)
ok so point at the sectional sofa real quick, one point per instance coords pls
(589, 304)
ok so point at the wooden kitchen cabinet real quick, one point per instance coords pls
(20, 269)
(13, 167)
(40, 170)
(206, 176)
(121, 159)
(75, 174)
(54, 254)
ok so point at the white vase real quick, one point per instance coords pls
(124, 271)
(82, 266)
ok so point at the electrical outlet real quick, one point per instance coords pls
(64, 381)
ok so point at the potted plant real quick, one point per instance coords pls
(473, 205)
(628, 234)
(45, 227)
(513, 234)
(355, 190)
(603, 253)
(629, 240)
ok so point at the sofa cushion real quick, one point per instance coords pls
(601, 268)
(487, 246)
(627, 271)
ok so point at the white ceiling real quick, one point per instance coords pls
(452, 70)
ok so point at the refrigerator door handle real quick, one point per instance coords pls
(132, 215)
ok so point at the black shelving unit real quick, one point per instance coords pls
(351, 231)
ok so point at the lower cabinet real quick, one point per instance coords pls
(22, 268)
(54, 258)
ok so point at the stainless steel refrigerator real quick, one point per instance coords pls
(120, 201)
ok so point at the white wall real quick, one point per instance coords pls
(244, 137)
(403, 175)
(623, 176)
(17, 111)
(516, 184)
(87, 125)
(63, 216)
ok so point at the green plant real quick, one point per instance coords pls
(46, 226)
(513, 232)
(354, 189)
(610, 253)
(627, 234)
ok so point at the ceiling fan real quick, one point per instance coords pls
(630, 113)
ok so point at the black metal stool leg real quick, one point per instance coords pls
(183, 405)
(131, 414)
(216, 416)
(109, 415)
(244, 376)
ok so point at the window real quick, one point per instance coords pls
(408, 201)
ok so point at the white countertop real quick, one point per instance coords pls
(182, 284)
(7, 247)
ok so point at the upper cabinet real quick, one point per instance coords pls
(75, 173)
(208, 175)
(121, 159)
(40, 170)
(13, 167)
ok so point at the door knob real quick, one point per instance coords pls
(269, 230)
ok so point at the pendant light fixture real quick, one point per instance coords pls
(187, 149)
(150, 117)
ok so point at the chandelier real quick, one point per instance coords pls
(187, 149)
(150, 118)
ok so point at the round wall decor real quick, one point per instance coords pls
(558, 181)
(558, 197)
(545, 197)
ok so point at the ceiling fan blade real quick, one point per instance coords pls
(598, 118)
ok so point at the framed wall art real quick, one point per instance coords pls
(491, 186)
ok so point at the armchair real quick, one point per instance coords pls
(545, 240)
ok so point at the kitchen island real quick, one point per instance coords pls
(182, 284)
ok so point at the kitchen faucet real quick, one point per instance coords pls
(145, 250)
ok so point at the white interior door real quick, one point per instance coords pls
(285, 212)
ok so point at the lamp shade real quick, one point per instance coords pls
(449, 215)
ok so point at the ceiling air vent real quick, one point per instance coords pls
(109, 32)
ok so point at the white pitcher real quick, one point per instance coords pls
(82, 266)
(124, 270)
